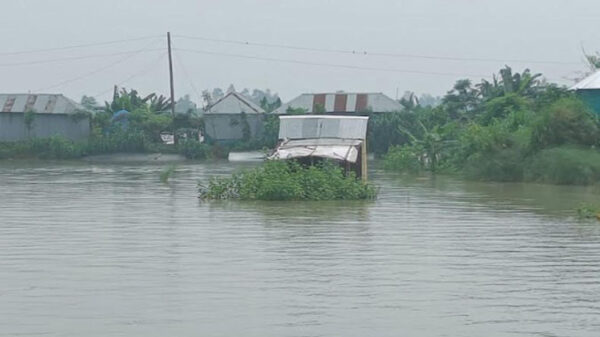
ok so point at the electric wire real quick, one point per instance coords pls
(144, 71)
(32, 51)
(189, 78)
(73, 58)
(95, 71)
(332, 65)
(367, 53)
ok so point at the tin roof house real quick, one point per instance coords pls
(52, 114)
(338, 138)
(588, 90)
(233, 117)
(341, 103)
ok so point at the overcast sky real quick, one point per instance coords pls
(458, 39)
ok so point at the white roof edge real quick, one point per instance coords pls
(323, 116)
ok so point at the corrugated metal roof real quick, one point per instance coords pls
(234, 103)
(590, 82)
(342, 102)
(39, 103)
(317, 126)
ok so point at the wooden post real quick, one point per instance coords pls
(171, 84)
(364, 159)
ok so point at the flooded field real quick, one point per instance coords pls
(108, 250)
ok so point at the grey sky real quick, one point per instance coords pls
(542, 30)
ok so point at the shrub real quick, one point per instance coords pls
(564, 165)
(402, 158)
(503, 165)
(280, 180)
(568, 121)
(193, 149)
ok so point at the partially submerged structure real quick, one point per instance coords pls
(341, 103)
(233, 117)
(338, 138)
(588, 90)
(24, 116)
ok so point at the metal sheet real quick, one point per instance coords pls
(339, 152)
(317, 126)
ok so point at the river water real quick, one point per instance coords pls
(108, 250)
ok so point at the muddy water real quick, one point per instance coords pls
(108, 250)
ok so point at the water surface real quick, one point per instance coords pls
(108, 250)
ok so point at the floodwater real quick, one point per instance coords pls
(101, 249)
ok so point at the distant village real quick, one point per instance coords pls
(227, 116)
(60, 115)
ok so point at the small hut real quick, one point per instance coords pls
(588, 90)
(233, 118)
(339, 138)
(26, 116)
(342, 103)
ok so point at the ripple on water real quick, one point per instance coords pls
(109, 250)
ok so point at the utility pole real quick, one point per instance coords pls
(172, 86)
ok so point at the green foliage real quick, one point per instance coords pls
(281, 180)
(587, 211)
(564, 165)
(513, 128)
(29, 119)
(193, 149)
(403, 158)
(567, 121)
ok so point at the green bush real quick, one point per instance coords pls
(403, 158)
(503, 165)
(564, 165)
(568, 121)
(280, 180)
(193, 149)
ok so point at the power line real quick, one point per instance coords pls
(127, 57)
(367, 53)
(136, 74)
(344, 66)
(72, 58)
(189, 78)
(32, 51)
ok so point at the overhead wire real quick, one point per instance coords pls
(367, 53)
(134, 75)
(95, 71)
(85, 45)
(189, 78)
(332, 65)
(73, 58)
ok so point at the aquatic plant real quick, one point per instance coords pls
(281, 180)
(587, 211)
(167, 173)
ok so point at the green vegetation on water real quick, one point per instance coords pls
(516, 128)
(288, 180)
(586, 211)
(167, 173)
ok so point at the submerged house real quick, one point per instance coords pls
(339, 138)
(588, 90)
(24, 116)
(233, 117)
(341, 103)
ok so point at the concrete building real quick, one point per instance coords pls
(588, 90)
(341, 103)
(233, 117)
(25, 116)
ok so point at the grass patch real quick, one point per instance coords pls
(281, 180)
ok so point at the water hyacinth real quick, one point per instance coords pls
(279, 180)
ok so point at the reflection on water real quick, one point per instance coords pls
(108, 250)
